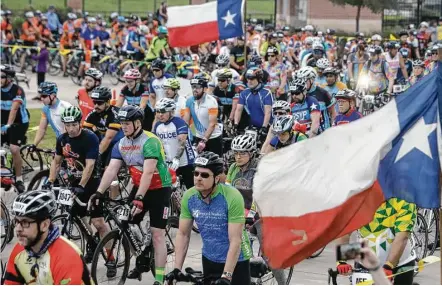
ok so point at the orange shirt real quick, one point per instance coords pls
(7, 28)
(85, 103)
(33, 31)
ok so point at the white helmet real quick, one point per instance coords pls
(114, 15)
(281, 104)
(307, 73)
(309, 28)
(244, 143)
(424, 24)
(222, 59)
(91, 20)
(72, 16)
(322, 63)
(317, 45)
(259, 28)
(376, 37)
(308, 40)
(143, 29)
(165, 104)
(29, 14)
(283, 124)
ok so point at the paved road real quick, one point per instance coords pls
(310, 271)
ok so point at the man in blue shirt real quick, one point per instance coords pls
(257, 101)
(53, 21)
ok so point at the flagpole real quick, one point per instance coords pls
(245, 33)
(440, 178)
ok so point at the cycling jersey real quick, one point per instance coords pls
(85, 103)
(226, 206)
(99, 123)
(200, 113)
(180, 103)
(76, 151)
(214, 75)
(393, 62)
(155, 48)
(302, 111)
(59, 263)
(276, 74)
(392, 217)
(333, 90)
(243, 180)
(134, 151)
(133, 36)
(348, 117)
(237, 53)
(378, 80)
(133, 97)
(89, 35)
(320, 80)
(325, 101)
(168, 132)
(254, 102)
(156, 86)
(52, 113)
(357, 63)
(31, 29)
(296, 137)
(10, 94)
(7, 28)
(225, 97)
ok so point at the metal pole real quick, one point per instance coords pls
(275, 11)
(440, 177)
(245, 33)
(119, 7)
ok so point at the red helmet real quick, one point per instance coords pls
(132, 74)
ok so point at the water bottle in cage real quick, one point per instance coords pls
(137, 233)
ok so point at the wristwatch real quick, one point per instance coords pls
(227, 275)
(139, 198)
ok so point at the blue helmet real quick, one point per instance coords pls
(121, 19)
(48, 88)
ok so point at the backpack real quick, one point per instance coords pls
(382, 67)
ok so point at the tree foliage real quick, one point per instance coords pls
(375, 6)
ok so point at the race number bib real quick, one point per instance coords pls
(252, 133)
(369, 99)
(65, 197)
(123, 213)
(360, 277)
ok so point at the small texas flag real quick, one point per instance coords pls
(196, 24)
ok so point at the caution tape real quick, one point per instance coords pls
(15, 47)
(420, 266)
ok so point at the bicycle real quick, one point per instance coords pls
(129, 238)
(419, 239)
(6, 227)
(194, 277)
(431, 217)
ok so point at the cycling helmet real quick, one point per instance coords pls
(94, 73)
(255, 73)
(375, 50)
(130, 113)
(91, 20)
(159, 64)
(172, 83)
(244, 143)
(255, 60)
(404, 52)
(435, 48)
(121, 19)
(330, 32)
(29, 14)
(308, 41)
(359, 35)
(322, 63)
(132, 74)
(47, 88)
(43, 18)
(403, 33)
(114, 15)
(418, 63)
(165, 105)
(99, 16)
(199, 79)
(8, 12)
(307, 73)
(222, 59)
(38, 205)
(142, 29)
(101, 93)
(225, 74)
(283, 124)
(376, 37)
(211, 161)
(318, 46)
(281, 105)
(298, 85)
(286, 28)
(259, 28)
(72, 16)
(8, 70)
(345, 94)
(424, 24)
(85, 14)
(162, 30)
(330, 70)
(272, 50)
(391, 45)
(253, 21)
(309, 28)
(71, 114)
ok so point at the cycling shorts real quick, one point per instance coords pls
(241, 274)
(157, 203)
(90, 189)
(16, 134)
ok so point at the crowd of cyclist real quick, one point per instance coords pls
(287, 88)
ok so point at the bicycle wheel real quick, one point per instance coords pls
(419, 238)
(38, 180)
(110, 246)
(432, 219)
(32, 161)
(171, 231)
(317, 253)
(71, 230)
(5, 226)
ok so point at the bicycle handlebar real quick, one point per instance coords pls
(77, 200)
(193, 276)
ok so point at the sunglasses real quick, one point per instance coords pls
(161, 111)
(98, 102)
(222, 80)
(44, 95)
(272, 56)
(203, 175)
(4, 76)
(434, 53)
(251, 78)
(295, 92)
(279, 113)
(156, 70)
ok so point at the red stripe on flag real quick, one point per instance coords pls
(193, 35)
(289, 240)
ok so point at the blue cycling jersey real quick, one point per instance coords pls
(133, 36)
(10, 94)
(53, 115)
(325, 101)
(302, 111)
(254, 102)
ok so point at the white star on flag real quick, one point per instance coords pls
(417, 137)
(313, 106)
(228, 18)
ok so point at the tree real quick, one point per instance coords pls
(375, 6)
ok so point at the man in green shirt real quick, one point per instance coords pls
(159, 46)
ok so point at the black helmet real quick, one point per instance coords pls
(94, 73)
(255, 73)
(38, 205)
(130, 113)
(200, 79)
(403, 33)
(47, 88)
(211, 161)
(158, 64)
(101, 93)
(255, 60)
(8, 70)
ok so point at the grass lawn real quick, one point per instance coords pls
(255, 8)
(49, 139)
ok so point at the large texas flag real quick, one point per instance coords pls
(197, 24)
(315, 191)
